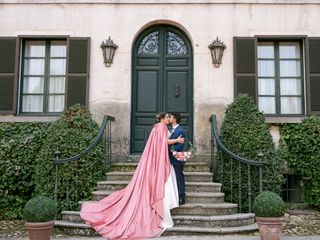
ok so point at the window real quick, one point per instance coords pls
(292, 190)
(280, 77)
(43, 76)
(280, 73)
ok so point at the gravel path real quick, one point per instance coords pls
(299, 225)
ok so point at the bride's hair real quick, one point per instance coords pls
(160, 116)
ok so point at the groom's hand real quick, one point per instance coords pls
(180, 139)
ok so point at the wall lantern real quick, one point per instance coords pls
(108, 49)
(216, 48)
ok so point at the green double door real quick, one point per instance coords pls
(162, 81)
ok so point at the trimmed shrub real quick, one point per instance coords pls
(300, 148)
(40, 209)
(245, 133)
(268, 204)
(71, 134)
(19, 146)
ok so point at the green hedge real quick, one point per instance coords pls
(19, 146)
(71, 134)
(26, 166)
(300, 147)
(245, 133)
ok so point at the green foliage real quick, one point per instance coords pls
(26, 161)
(268, 204)
(71, 134)
(19, 146)
(245, 133)
(300, 147)
(40, 209)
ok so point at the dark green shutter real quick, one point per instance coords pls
(78, 71)
(8, 76)
(245, 66)
(313, 87)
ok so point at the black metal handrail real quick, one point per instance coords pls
(216, 141)
(106, 119)
(106, 123)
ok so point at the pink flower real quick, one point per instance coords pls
(181, 156)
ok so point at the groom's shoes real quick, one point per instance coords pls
(182, 200)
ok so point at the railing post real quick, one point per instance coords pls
(109, 140)
(240, 187)
(260, 179)
(249, 188)
(57, 153)
(213, 158)
(260, 156)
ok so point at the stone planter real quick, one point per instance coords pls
(39, 231)
(270, 228)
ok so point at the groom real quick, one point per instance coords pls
(176, 132)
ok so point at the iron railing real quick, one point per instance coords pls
(104, 132)
(219, 149)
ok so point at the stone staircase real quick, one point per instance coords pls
(205, 211)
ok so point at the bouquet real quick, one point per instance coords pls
(183, 156)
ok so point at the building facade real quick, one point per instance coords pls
(50, 58)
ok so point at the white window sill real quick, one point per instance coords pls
(284, 119)
(12, 118)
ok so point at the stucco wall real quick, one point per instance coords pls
(110, 88)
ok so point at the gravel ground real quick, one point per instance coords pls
(298, 225)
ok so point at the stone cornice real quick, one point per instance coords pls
(160, 2)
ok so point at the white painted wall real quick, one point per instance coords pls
(110, 88)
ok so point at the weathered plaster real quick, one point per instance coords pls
(110, 88)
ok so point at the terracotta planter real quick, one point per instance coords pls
(270, 228)
(39, 231)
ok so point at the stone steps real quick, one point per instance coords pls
(188, 167)
(190, 186)
(189, 176)
(201, 209)
(82, 229)
(191, 197)
(185, 231)
(204, 213)
(232, 220)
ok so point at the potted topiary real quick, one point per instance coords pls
(269, 209)
(39, 213)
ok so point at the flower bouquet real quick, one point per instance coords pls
(183, 156)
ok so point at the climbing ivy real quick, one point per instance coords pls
(70, 135)
(19, 146)
(246, 134)
(300, 148)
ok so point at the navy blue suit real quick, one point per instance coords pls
(178, 165)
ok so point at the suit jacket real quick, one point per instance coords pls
(177, 146)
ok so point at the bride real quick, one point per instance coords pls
(142, 209)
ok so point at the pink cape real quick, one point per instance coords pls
(136, 211)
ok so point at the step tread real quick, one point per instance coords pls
(136, 163)
(187, 183)
(188, 194)
(187, 205)
(236, 216)
(61, 223)
(185, 173)
(192, 205)
(194, 230)
(217, 230)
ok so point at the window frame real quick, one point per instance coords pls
(47, 39)
(304, 77)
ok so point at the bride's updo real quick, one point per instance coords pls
(160, 116)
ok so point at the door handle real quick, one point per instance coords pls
(177, 93)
